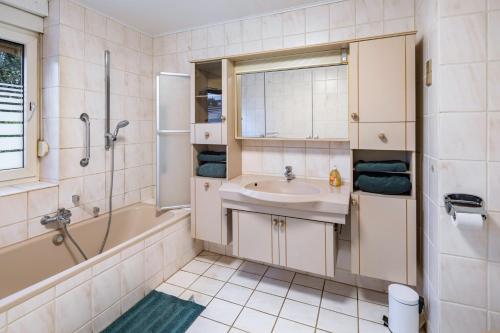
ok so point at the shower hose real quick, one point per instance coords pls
(108, 227)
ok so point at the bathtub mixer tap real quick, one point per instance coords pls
(62, 217)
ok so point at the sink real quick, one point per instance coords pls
(281, 191)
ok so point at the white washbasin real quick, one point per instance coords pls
(282, 191)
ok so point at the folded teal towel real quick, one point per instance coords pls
(214, 170)
(384, 184)
(381, 166)
(212, 156)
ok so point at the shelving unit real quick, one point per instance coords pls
(210, 222)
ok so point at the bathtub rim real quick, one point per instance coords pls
(35, 289)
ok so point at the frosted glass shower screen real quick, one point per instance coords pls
(173, 157)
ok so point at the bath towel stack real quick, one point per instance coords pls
(212, 164)
(382, 177)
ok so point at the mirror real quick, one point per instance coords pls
(306, 103)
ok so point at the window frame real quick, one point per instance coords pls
(31, 88)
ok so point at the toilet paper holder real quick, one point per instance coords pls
(464, 203)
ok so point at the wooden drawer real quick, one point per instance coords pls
(208, 133)
(382, 136)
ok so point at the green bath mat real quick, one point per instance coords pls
(157, 313)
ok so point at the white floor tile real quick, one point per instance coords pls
(372, 296)
(272, 286)
(208, 257)
(234, 293)
(245, 279)
(222, 311)
(253, 267)
(372, 312)
(304, 294)
(336, 322)
(287, 326)
(309, 281)
(219, 273)
(280, 274)
(196, 297)
(341, 289)
(235, 330)
(196, 267)
(339, 303)
(170, 289)
(265, 302)
(253, 321)
(207, 286)
(369, 327)
(230, 262)
(204, 325)
(182, 279)
(299, 312)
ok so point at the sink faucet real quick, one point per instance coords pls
(288, 173)
(63, 216)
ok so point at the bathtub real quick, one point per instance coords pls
(50, 288)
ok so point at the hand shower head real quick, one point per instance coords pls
(120, 124)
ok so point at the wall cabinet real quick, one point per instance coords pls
(299, 244)
(382, 93)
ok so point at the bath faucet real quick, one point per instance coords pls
(63, 216)
(288, 173)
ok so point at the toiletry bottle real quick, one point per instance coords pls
(335, 179)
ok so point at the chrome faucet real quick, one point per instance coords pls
(63, 216)
(288, 173)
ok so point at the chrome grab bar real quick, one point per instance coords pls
(85, 118)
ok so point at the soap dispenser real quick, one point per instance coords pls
(335, 179)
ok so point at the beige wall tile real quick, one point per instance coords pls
(73, 309)
(455, 318)
(272, 26)
(395, 9)
(40, 320)
(343, 14)
(72, 14)
(459, 7)
(252, 29)
(369, 11)
(493, 188)
(494, 86)
(317, 18)
(294, 22)
(13, 233)
(42, 202)
(462, 177)
(463, 87)
(71, 42)
(95, 23)
(462, 39)
(106, 289)
(463, 280)
(493, 36)
(13, 208)
(199, 39)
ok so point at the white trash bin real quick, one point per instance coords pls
(403, 309)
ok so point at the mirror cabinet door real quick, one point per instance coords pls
(308, 103)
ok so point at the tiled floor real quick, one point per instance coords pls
(242, 296)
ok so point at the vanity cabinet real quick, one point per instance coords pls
(294, 243)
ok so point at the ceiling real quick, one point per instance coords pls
(163, 16)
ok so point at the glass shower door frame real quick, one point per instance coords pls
(162, 132)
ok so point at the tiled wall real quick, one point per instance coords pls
(73, 82)
(462, 155)
(95, 297)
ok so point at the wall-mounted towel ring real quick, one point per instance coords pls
(85, 118)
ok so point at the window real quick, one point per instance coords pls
(18, 103)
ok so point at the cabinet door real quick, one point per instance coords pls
(207, 133)
(382, 80)
(382, 238)
(305, 245)
(208, 210)
(255, 236)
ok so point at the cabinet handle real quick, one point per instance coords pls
(382, 137)
(316, 137)
(207, 135)
(223, 118)
(354, 202)
(354, 116)
(309, 137)
(275, 222)
(282, 223)
(206, 186)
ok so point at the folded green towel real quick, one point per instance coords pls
(212, 156)
(381, 166)
(214, 170)
(384, 184)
